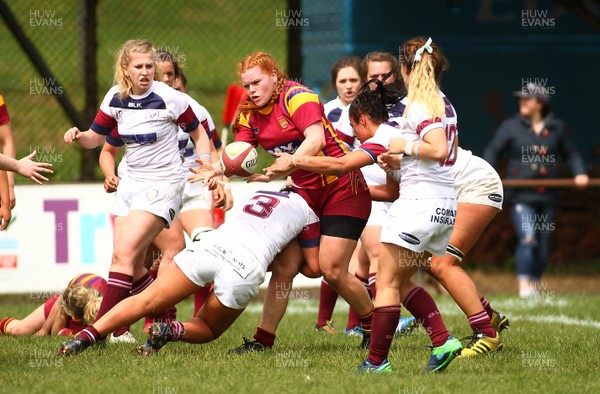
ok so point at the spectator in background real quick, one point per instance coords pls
(8, 147)
(533, 140)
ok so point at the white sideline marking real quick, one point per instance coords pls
(450, 309)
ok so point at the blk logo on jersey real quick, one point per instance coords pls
(409, 238)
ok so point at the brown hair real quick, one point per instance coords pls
(380, 56)
(267, 64)
(347, 61)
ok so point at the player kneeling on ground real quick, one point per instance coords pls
(234, 257)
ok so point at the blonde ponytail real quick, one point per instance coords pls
(425, 64)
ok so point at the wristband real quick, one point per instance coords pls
(226, 185)
(294, 160)
(417, 150)
(408, 148)
(205, 155)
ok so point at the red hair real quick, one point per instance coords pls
(267, 64)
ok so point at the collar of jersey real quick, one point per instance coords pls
(266, 110)
(146, 93)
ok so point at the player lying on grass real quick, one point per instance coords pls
(233, 257)
(62, 314)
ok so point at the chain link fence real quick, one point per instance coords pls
(208, 37)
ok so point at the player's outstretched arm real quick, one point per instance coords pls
(86, 139)
(33, 170)
(204, 172)
(26, 167)
(326, 165)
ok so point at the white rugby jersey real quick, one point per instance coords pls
(420, 178)
(375, 146)
(264, 222)
(147, 126)
(187, 149)
(338, 115)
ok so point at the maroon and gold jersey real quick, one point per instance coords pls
(279, 128)
(4, 117)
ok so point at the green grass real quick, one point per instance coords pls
(542, 354)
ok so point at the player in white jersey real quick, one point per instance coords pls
(346, 78)
(479, 194)
(198, 201)
(148, 114)
(234, 257)
(420, 221)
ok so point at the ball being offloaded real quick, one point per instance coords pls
(239, 159)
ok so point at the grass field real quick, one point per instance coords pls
(551, 347)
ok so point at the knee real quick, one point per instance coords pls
(439, 266)
(284, 272)
(121, 258)
(333, 274)
(528, 240)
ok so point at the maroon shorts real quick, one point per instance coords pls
(343, 206)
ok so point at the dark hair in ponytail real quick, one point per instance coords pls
(375, 102)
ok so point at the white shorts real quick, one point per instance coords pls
(379, 211)
(236, 276)
(420, 224)
(162, 199)
(479, 183)
(196, 196)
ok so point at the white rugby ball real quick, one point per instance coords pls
(239, 159)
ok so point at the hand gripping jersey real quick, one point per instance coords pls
(147, 125)
(425, 177)
(264, 222)
(280, 128)
(337, 113)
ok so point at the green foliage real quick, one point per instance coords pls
(208, 37)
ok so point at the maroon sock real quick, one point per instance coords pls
(265, 338)
(420, 304)
(373, 284)
(90, 335)
(200, 298)
(141, 284)
(117, 289)
(486, 305)
(385, 321)
(327, 299)
(481, 322)
(366, 322)
(353, 319)
(176, 331)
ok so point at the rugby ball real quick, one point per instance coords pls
(239, 159)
